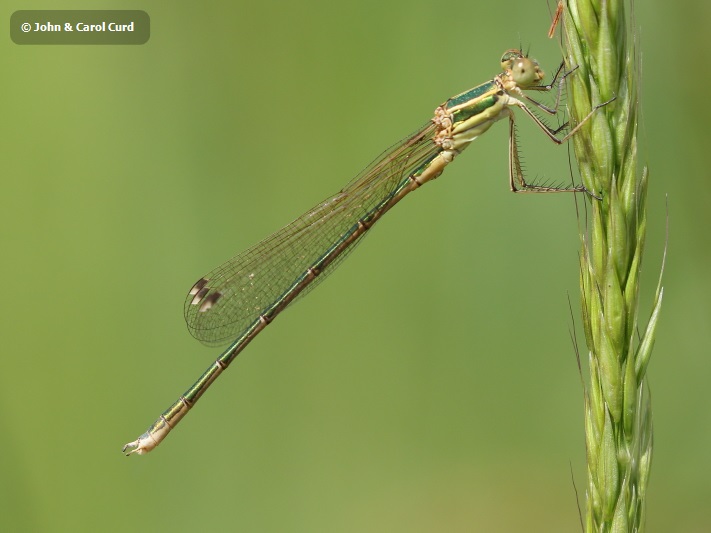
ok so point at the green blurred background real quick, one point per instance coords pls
(429, 385)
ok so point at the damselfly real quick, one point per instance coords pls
(237, 300)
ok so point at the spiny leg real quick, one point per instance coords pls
(553, 133)
(517, 181)
(555, 83)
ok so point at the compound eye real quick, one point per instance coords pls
(509, 57)
(526, 72)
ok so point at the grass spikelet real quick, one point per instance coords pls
(618, 418)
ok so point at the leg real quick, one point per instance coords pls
(516, 180)
(550, 110)
(553, 134)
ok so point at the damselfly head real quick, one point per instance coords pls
(524, 71)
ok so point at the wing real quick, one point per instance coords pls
(223, 303)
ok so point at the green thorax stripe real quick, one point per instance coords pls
(471, 94)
